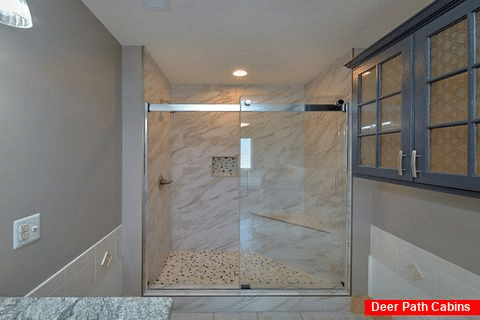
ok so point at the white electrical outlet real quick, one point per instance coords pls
(26, 230)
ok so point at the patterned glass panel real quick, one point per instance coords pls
(449, 150)
(478, 92)
(449, 99)
(448, 49)
(477, 18)
(391, 112)
(391, 78)
(368, 118)
(367, 151)
(389, 149)
(478, 149)
(369, 85)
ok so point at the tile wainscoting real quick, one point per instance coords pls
(389, 278)
(84, 276)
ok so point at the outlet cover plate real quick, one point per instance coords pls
(26, 230)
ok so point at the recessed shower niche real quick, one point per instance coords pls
(225, 166)
(258, 199)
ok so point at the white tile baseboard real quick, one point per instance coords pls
(84, 276)
(389, 279)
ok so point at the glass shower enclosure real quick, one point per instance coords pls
(290, 167)
(293, 217)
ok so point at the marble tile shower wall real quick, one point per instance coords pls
(231, 94)
(204, 207)
(274, 184)
(326, 160)
(331, 84)
(325, 177)
(289, 163)
(158, 233)
(156, 85)
(158, 218)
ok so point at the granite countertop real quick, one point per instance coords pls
(98, 308)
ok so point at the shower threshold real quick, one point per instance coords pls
(246, 293)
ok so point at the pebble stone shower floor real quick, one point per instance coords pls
(225, 270)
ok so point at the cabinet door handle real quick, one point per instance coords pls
(400, 161)
(413, 163)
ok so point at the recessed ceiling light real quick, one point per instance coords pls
(240, 73)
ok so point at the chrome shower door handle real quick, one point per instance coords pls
(400, 161)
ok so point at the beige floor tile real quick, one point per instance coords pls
(279, 316)
(340, 315)
(235, 316)
(191, 316)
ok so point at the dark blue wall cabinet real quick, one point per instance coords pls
(416, 101)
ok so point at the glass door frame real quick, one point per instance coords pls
(222, 292)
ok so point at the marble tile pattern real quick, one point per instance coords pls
(261, 304)
(326, 160)
(204, 207)
(338, 315)
(156, 85)
(275, 181)
(301, 248)
(299, 219)
(229, 269)
(231, 94)
(325, 194)
(85, 308)
(280, 169)
(158, 216)
(333, 83)
(295, 163)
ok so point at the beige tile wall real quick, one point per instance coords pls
(84, 276)
(158, 216)
(325, 193)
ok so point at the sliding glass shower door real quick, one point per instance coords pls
(293, 210)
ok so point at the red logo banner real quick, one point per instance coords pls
(422, 307)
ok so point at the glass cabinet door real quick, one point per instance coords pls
(382, 89)
(447, 139)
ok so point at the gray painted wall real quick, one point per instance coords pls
(60, 138)
(443, 224)
(362, 215)
(132, 168)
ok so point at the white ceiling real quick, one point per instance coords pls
(276, 41)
